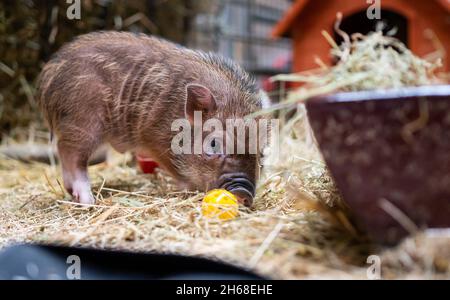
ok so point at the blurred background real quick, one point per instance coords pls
(30, 31)
(266, 37)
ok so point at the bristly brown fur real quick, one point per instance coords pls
(126, 89)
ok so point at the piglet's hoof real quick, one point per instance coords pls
(82, 194)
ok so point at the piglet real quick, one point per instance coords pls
(127, 90)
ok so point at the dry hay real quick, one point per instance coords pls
(31, 31)
(367, 62)
(297, 228)
(287, 234)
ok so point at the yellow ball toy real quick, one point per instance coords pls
(221, 204)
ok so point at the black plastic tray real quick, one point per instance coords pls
(51, 262)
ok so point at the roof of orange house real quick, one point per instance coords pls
(282, 27)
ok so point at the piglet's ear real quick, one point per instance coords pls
(199, 98)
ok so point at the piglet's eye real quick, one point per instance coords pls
(214, 148)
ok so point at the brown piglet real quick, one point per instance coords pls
(127, 90)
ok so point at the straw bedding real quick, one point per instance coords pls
(292, 228)
(298, 226)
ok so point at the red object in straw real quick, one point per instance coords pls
(146, 164)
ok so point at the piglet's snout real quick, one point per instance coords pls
(240, 185)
